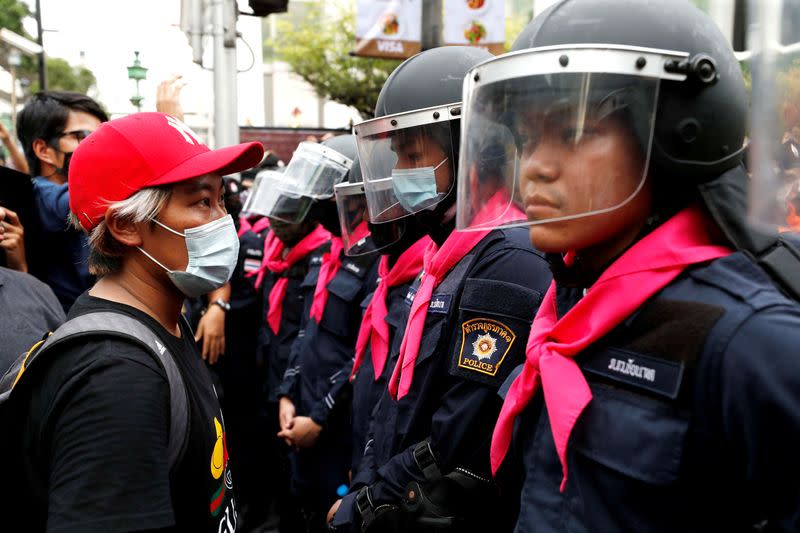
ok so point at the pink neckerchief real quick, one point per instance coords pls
(331, 262)
(245, 226)
(639, 273)
(437, 263)
(273, 250)
(373, 324)
(359, 233)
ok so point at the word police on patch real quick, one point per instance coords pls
(484, 345)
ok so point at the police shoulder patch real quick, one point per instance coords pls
(485, 343)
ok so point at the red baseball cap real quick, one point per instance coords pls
(142, 150)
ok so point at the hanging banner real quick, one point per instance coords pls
(388, 28)
(475, 23)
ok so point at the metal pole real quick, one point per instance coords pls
(196, 30)
(13, 71)
(42, 63)
(431, 24)
(722, 12)
(226, 130)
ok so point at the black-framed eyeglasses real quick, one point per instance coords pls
(78, 134)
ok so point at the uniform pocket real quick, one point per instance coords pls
(342, 314)
(310, 280)
(431, 335)
(632, 434)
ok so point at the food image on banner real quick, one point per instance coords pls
(475, 23)
(388, 28)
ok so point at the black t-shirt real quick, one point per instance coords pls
(95, 444)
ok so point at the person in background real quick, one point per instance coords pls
(50, 127)
(291, 241)
(168, 96)
(12, 240)
(461, 331)
(14, 155)
(28, 310)
(315, 394)
(401, 245)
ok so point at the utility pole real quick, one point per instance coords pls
(226, 128)
(14, 61)
(431, 24)
(42, 63)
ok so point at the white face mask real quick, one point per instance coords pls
(213, 253)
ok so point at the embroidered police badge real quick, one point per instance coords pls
(484, 345)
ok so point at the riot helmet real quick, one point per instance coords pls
(653, 81)
(408, 153)
(309, 177)
(359, 235)
(351, 205)
(323, 208)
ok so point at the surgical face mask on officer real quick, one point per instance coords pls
(213, 250)
(416, 187)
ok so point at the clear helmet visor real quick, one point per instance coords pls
(541, 142)
(359, 236)
(315, 169)
(276, 196)
(408, 169)
(773, 153)
(351, 204)
(248, 195)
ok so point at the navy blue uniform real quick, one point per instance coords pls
(276, 347)
(317, 378)
(453, 397)
(694, 420)
(367, 390)
(273, 352)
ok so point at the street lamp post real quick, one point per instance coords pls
(137, 73)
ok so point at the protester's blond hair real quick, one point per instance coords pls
(105, 252)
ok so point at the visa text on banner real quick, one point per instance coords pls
(388, 28)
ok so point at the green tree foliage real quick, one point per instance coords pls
(12, 13)
(318, 50)
(61, 75)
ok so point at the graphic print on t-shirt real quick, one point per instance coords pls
(219, 457)
(219, 465)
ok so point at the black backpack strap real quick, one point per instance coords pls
(130, 329)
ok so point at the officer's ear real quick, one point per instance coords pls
(124, 230)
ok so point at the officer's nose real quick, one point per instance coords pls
(541, 163)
